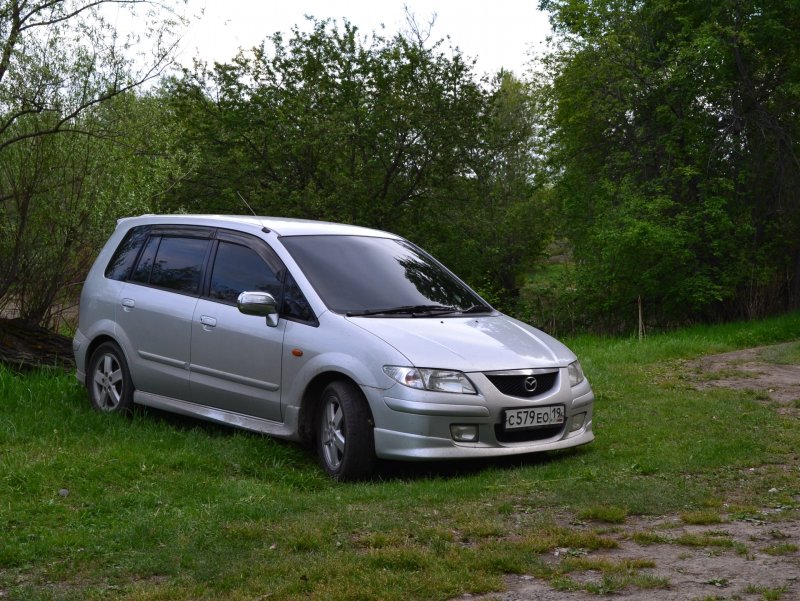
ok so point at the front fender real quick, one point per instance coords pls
(343, 349)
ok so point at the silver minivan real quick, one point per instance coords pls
(351, 339)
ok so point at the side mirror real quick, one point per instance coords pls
(261, 304)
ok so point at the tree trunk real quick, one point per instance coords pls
(641, 319)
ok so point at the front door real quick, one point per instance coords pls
(236, 358)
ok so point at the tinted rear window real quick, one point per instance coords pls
(119, 268)
(172, 263)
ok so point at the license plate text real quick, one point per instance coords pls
(534, 417)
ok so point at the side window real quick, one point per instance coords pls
(179, 264)
(119, 268)
(238, 268)
(172, 263)
(295, 304)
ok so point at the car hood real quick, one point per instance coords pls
(490, 343)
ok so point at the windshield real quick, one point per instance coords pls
(360, 275)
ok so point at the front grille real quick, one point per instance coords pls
(520, 385)
(504, 435)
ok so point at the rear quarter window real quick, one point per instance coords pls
(119, 267)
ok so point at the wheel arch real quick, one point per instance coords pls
(312, 397)
(95, 344)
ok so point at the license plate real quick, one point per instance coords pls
(534, 417)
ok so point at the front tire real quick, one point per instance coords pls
(345, 440)
(109, 381)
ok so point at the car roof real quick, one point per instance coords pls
(282, 226)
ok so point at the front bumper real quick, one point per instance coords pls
(419, 428)
(408, 447)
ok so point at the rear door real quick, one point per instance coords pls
(157, 305)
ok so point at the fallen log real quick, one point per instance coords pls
(25, 346)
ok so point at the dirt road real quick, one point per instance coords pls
(745, 557)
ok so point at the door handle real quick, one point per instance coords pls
(208, 322)
(128, 304)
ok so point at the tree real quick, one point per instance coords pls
(328, 124)
(66, 138)
(674, 150)
(387, 132)
(504, 225)
(68, 191)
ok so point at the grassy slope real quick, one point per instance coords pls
(157, 507)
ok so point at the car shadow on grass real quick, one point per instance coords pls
(459, 468)
(386, 470)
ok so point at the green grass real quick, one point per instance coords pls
(782, 549)
(788, 354)
(701, 517)
(604, 513)
(767, 594)
(157, 507)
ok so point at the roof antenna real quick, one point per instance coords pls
(246, 204)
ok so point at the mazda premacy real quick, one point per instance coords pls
(350, 339)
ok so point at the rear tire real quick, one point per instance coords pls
(344, 433)
(109, 381)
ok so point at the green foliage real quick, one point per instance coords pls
(508, 222)
(674, 150)
(64, 195)
(659, 142)
(76, 146)
(376, 131)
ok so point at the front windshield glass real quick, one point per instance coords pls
(380, 276)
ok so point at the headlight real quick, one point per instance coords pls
(575, 373)
(437, 380)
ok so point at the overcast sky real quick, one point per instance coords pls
(499, 33)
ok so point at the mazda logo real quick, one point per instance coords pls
(530, 384)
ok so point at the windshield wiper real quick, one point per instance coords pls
(407, 309)
(477, 309)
